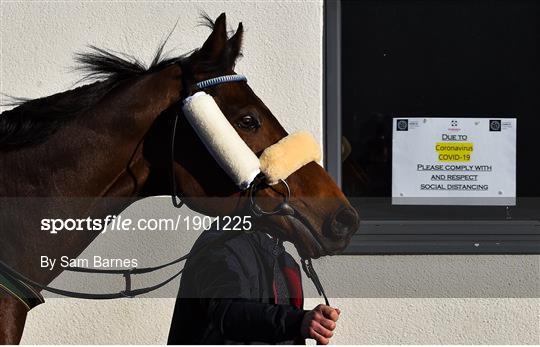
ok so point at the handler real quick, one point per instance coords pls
(247, 290)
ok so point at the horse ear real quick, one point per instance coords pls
(217, 41)
(235, 45)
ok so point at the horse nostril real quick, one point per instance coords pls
(344, 222)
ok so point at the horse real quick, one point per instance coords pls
(112, 138)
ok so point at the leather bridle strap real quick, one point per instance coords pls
(186, 77)
(128, 292)
(187, 89)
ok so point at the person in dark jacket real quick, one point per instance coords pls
(246, 290)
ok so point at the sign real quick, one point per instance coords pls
(454, 161)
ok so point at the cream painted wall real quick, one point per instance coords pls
(283, 61)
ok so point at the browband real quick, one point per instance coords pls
(219, 80)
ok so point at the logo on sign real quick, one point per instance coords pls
(454, 126)
(402, 125)
(494, 125)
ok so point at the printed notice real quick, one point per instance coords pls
(454, 161)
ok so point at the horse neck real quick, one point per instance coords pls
(99, 152)
(95, 155)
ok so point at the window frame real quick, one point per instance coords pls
(380, 237)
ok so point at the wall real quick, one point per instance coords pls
(283, 61)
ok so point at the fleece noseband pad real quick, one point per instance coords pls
(283, 158)
(221, 140)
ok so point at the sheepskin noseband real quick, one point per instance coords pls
(233, 155)
(221, 140)
(288, 155)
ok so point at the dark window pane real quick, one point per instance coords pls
(437, 59)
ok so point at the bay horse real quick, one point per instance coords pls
(111, 138)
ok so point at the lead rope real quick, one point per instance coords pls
(308, 268)
(285, 209)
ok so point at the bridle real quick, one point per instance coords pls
(283, 209)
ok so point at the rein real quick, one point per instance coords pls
(283, 209)
(128, 292)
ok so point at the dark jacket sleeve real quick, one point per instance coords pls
(247, 321)
(232, 307)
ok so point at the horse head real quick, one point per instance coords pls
(324, 221)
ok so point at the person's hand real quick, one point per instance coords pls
(319, 324)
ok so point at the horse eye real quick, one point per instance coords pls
(249, 122)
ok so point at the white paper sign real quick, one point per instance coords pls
(454, 161)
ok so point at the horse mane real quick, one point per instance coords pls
(33, 121)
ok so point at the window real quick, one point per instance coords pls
(431, 59)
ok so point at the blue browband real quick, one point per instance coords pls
(219, 80)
